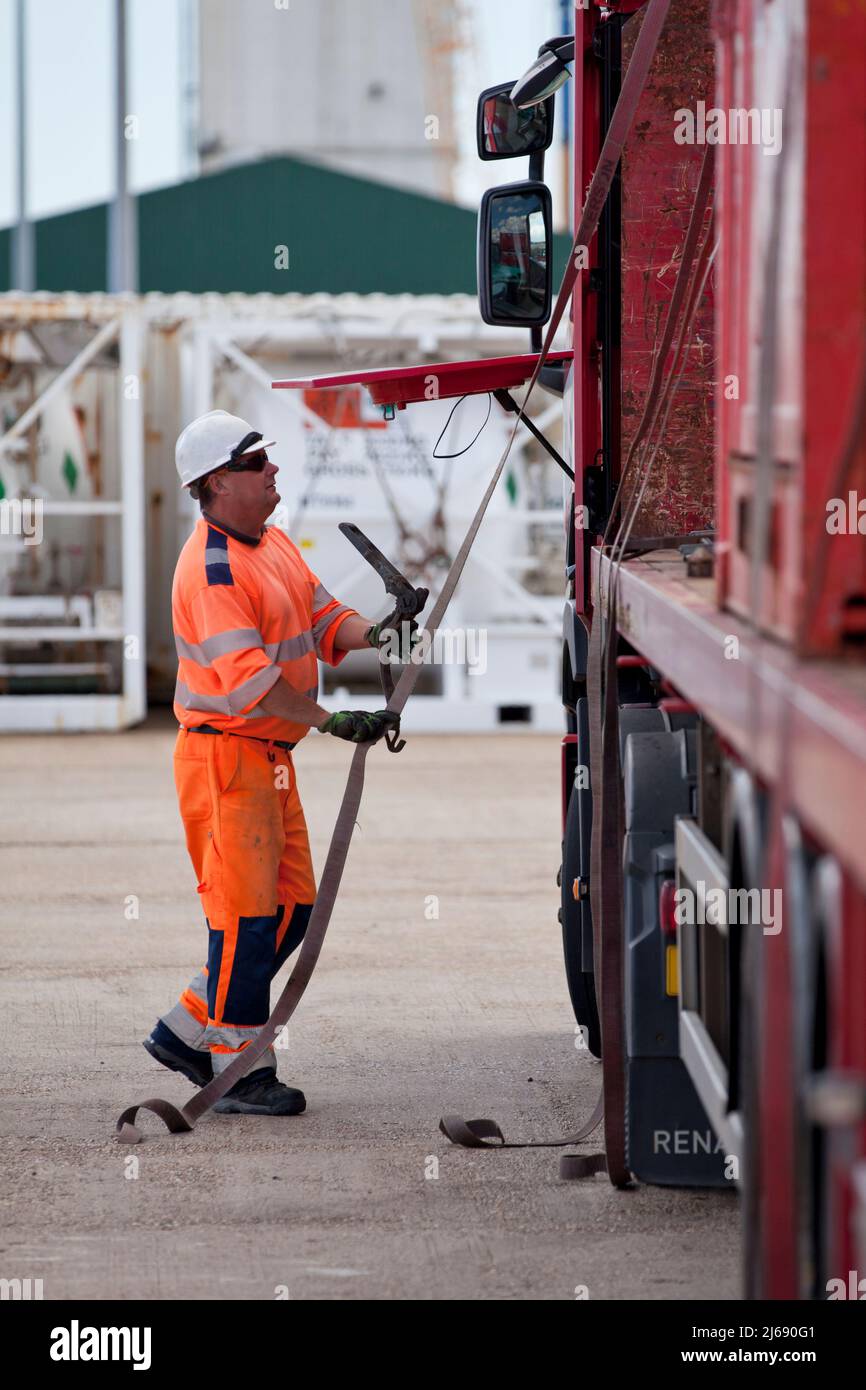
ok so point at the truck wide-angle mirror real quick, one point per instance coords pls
(503, 132)
(515, 247)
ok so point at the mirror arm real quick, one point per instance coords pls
(563, 48)
(553, 379)
(507, 401)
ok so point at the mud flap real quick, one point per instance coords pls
(669, 1137)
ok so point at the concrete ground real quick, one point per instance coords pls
(409, 1016)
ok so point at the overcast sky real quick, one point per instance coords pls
(70, 94)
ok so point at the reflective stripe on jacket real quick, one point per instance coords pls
(245, 614)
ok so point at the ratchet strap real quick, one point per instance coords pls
(476, 1134)
(183, 1120)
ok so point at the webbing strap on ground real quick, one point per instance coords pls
(476, 1134)
(179, 1121)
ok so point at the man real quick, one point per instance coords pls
(250, 620)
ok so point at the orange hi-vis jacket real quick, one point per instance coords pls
(246, 613)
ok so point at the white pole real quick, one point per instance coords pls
(23, 249)
(202, 372)
(122, 229)
(132, 542)
(190, 86)
(195, 401)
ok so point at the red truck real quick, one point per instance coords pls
(714, 806)
(716, 411)
(737, 640)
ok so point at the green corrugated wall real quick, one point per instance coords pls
(222, 232)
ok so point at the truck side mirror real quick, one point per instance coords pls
(515, 254)
(503, 132)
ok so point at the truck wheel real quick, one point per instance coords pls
(581, 983)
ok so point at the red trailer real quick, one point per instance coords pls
(760, 638)
(714, 806)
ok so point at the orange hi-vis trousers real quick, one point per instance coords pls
(247, 839)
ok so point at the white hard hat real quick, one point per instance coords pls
(214, 439)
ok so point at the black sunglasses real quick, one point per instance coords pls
(253, 463)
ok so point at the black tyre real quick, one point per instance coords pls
(581, 983)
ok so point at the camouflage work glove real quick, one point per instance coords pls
(358, 726)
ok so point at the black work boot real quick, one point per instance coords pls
(261, 1093)
(166, 1047)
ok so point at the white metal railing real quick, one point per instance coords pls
(72, 711)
